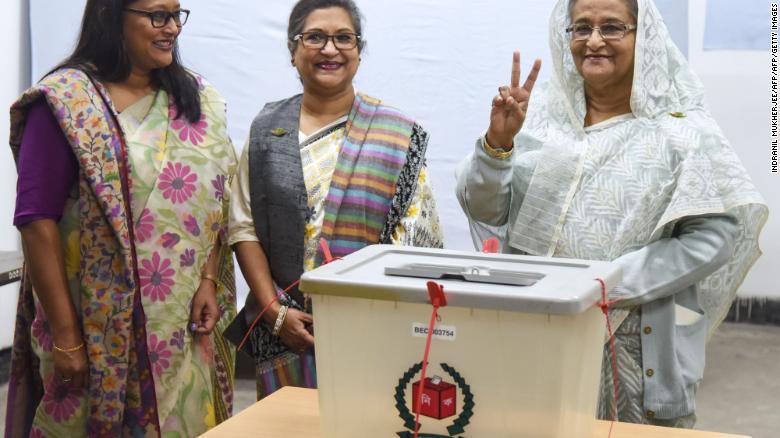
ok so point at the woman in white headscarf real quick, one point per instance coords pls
(618, 159)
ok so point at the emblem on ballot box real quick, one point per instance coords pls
(438, 398)
(439, 401)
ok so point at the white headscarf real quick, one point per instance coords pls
(700, 172)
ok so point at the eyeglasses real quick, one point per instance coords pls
(161, 18)
(318, 40)
(609, 31)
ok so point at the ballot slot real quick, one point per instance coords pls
(471, 274)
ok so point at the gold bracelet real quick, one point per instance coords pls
(502, 154)
(68, 350)
(210, 277)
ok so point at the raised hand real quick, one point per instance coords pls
(510, 106)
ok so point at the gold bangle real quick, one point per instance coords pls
(68, 350)
(210, 277)
(502, 154)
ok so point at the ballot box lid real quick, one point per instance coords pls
(470, 279)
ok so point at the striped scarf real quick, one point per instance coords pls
(364, 181)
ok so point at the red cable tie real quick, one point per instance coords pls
(438, 299)
(325, 251)
(490, 246)
(604, 305)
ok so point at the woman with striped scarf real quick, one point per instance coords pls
(329, 163)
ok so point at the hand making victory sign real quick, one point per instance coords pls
(510, 106)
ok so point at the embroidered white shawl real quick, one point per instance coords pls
(648, 171)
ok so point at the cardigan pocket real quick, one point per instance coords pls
(690, 341)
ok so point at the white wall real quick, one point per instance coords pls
(737, 86)
(13, 79)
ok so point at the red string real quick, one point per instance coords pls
(604, 305)
(328, 258)
(424, 368)
(260, 315)
(436, 294)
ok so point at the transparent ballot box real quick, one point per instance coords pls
(516, 352)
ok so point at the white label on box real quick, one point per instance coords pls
(442, 332)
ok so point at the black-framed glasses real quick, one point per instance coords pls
(609, 31)
(161, 18)
(318, 40)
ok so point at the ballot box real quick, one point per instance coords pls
(10, 274)
(516, 352)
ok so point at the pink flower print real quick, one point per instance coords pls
(156, 278)
(41, 329)
(177, 182)
(145, 226)
(188, 258)
(159, 355)
(36, 433)
(194, 131)
(169, 240)
(60, 401)
(219, 187)
(191, 224)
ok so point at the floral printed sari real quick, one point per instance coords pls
(149, 208)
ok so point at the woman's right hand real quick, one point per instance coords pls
(294, 333)
(45, 257)
(71, 367)
(510, 106)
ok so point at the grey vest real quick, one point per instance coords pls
(277, 190)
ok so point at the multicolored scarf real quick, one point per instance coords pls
(364, 182)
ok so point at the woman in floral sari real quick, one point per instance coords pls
(123, 160)
(329, 163)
